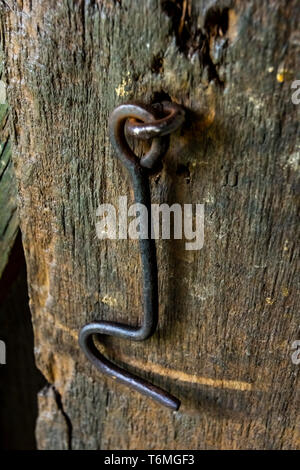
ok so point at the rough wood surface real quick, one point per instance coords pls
(228, 313)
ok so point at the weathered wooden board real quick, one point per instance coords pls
(229, 312)
(9, 223)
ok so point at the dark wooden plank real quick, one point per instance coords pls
(20, 380)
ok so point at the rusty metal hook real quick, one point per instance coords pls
(142, 122)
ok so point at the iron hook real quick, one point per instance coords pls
(143, 122)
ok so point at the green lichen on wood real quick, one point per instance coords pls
(8, 195)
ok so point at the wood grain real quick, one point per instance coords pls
(229, 312)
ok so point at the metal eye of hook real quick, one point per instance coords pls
(160, 127)
(143, 122)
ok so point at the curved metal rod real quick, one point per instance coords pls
(159, 127)
(148, 259)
